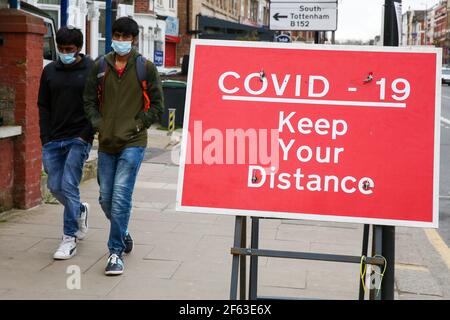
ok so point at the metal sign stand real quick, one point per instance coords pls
(240, 252)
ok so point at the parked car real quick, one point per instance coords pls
(49, 50)
(445, 76)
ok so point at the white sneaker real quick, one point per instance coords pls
(83, 222)
(67, 248)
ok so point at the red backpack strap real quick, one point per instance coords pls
(141, 70)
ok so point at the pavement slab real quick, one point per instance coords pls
(407, 283)
(180, 255)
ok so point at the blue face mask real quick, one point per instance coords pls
(122, 48)
(67, 58)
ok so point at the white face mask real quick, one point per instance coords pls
(122, 48)
(67, 58)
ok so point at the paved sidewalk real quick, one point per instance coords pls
(187, 256)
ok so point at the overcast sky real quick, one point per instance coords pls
(361, 19)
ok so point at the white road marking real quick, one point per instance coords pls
(446, 121)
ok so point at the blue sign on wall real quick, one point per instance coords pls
(172, 24)
(283, 38)
(159, 58)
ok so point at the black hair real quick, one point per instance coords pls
(126, 26)
(69, 35)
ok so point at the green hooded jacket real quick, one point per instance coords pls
(121, 119)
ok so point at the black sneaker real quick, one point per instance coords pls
(114, 266)
(128, 243)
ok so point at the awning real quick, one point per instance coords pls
(172, 39)
(213, 28)
(205, 21)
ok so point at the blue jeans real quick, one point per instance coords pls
(63, 162)
(116, 174)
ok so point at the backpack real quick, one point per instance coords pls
(141, 70)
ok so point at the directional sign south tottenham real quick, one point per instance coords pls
(305, 15)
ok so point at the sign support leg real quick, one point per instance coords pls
(253, 283)
(377, 246)
(238, 260)
(364, 251)
(243, 260)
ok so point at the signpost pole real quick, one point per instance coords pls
(388, 249)
(390, 38)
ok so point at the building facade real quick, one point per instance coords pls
(440, 25)
(224, 20)
(157, 20)
(430, 27)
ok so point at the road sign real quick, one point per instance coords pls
(306, 16)
(332, 133)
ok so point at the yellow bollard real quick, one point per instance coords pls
(171, 125)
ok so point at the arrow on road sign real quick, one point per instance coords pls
(277, 15)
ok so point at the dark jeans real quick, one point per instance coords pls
(63, 162)
(116, 176)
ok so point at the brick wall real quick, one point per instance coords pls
(20, 70)
(184, 46)
(6, 174)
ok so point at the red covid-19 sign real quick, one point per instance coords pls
(332, 133)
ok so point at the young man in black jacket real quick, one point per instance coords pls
(66, 134)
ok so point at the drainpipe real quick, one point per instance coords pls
(14, 4)
(64, 5)
(108, 26)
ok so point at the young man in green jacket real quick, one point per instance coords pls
(116, 104)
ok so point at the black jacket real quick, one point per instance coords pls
(60, 101)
